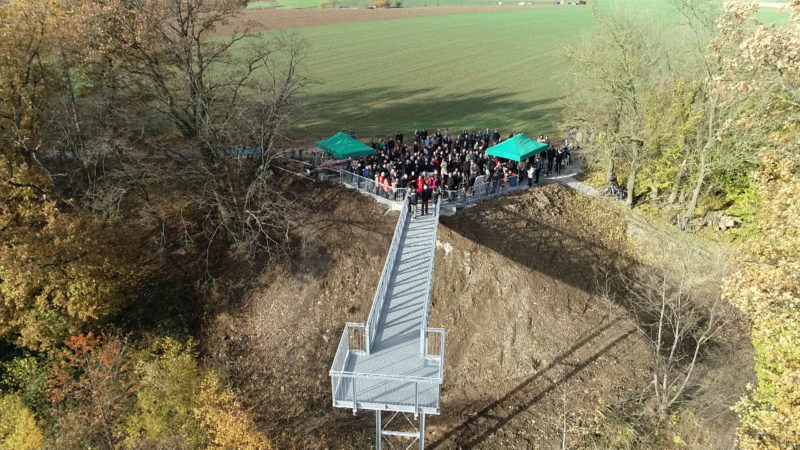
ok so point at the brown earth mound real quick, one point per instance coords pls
(281, 19)
(513, 287)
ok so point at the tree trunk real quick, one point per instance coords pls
(701, 174)
(631, 185)
(609, 167)
(78, 147)
(698, 186)
(676, 188)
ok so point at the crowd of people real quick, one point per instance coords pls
(451, 164)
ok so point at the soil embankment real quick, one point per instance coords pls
(529, 333)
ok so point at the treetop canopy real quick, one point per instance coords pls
(343, 146)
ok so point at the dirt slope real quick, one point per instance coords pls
(528, 338)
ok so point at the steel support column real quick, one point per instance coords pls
(378, 430)
(422, 431)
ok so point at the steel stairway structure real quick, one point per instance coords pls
(395, 362)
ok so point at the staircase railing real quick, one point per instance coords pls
(429, 283)
(386, 275)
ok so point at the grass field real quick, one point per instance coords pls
(497, 70)
(500, 70)
(304, 4)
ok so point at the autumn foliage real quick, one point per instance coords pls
(112, 264)
(106, 395)
(56, 279)
(762, 71)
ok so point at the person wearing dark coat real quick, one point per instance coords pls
(497, 179)
(537, 168)
(551, 156)
(451, 185)
(559, 158)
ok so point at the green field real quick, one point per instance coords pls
(500, 70)
(304, 4)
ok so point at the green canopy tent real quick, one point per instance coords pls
(517, 148)
(343, 146)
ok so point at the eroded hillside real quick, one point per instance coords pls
(518, 287)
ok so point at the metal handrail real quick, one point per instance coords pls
(368, 186)
(386, 274)
(395, 195)
(343, 352)
(377, 376)
(440, 356)
(481, 190)
(429, 284)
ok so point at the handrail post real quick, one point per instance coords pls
(416, 399)
(355, 409)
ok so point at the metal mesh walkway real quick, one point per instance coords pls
(393, 369)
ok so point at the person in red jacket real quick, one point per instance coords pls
(424, 192)
(433, 185)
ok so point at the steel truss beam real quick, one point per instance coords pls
(381, 430)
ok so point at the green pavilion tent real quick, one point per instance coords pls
(517, 148)
(343, 146)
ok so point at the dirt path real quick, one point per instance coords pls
(567, 177)
(281, 19)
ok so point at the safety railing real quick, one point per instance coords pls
(376, 391)
(386, 275)
(395, 392)
(429, 284)
(343, 352)
(481, 190)
(414, 394)
(383, 192)
(440, 355)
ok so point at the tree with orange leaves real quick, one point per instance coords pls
(90, 388)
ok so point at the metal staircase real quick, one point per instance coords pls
(395, 362)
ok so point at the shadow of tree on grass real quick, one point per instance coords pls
(375, 112)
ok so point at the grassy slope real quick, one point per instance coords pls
(498, 70)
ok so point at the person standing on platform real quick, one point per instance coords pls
(559, 159)
(531, 172)
(551, 156)
(537, 168)
(423, 192)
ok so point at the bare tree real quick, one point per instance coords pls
(272, 102)
(706, 153)
(678, 328)
(616, 63)
(165, 51)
